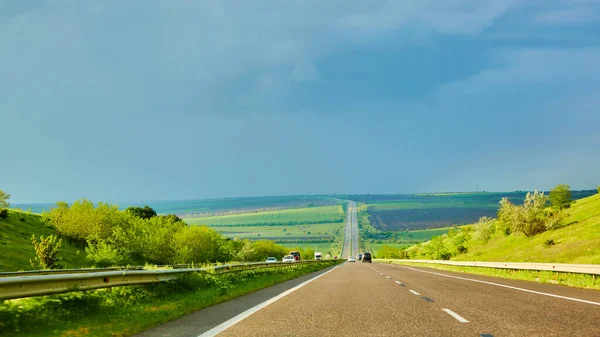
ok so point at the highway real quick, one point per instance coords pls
(351, 235)
(364, 299)
(361, 299)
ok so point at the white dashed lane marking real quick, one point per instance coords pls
(455, 315)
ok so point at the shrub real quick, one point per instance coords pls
(549, 243)
(46, 251)
(484, 229)
(530, 219)
(103, 254)
(145, 212)
(3, 214)
(560, 196)
(435, 249)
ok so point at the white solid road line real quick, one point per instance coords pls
(504, 286)
(232, 321)
(455, 315)
(414, 292)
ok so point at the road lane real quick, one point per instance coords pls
(361, 299)
(203, 320)
(505, 311)
(352, 300)
(351, 234)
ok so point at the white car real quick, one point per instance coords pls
(271, 260)
(289, 259)
(351, 259)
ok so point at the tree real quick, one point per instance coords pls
(145, 212)
(560, 196)
(46, 251)
(4, 204)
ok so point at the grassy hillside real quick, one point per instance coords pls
(577, 242)
(309, 215)
(16, 248)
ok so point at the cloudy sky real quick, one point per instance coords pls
(153, 100)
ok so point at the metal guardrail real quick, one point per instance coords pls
(35, 285)
(86, 270)
(591, 269)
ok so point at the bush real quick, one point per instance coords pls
(484, 229)
(46, 251)
(530, 219)
(3, 213)
(145, 212)
(560, 196)
(104, 255)
(549, 243)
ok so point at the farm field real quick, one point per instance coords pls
(423, 211)
(312, 231)
(309, 215)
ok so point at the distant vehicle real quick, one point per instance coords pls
(360, 256)
(366, 257)
(289, 258)
(351, 259)
(318, 256)
(296, 254)
(271, 260)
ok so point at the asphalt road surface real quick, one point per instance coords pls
(350, 247)
(362, 299)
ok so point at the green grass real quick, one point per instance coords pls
(578, 242)
(268, 232)
(376, 247)
(324, 214)
(124, 311)
(567, 279)
(16, 248)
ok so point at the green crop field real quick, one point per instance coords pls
(309, 215)
(16, 248)
(271, 232)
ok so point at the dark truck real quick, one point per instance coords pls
(296, 255)
(366, 257)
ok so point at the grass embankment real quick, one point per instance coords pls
(124, 311)
(403, 239)
(16, 248)
(309, 215)
(568, 279)
(577, 242)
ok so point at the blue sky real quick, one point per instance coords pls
(152, 100)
